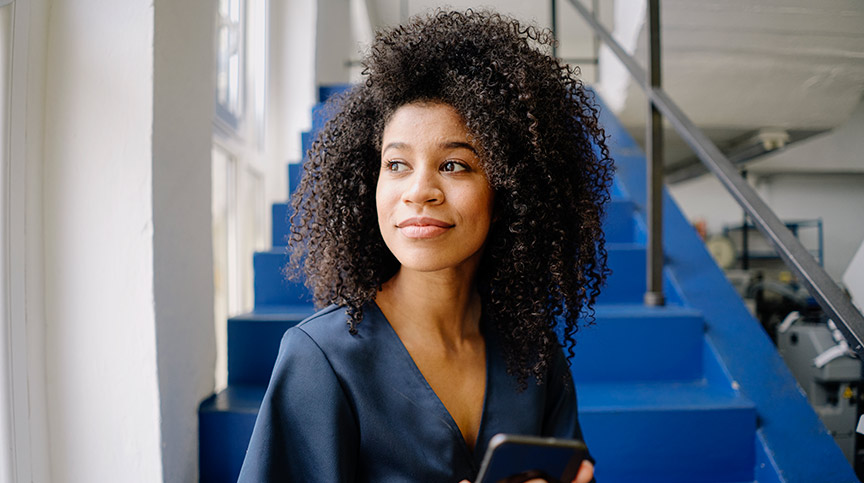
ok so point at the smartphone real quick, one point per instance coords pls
(514, 458)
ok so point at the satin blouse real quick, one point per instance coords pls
(355, 408)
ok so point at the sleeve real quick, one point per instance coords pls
(561, 418)
(305, 430)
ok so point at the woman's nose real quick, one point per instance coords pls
(424, 188)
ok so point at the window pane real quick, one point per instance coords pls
(230, 64)
(220, 209)
(250, 232)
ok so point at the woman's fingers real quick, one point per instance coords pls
(586, 473)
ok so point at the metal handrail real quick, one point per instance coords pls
(654, 168)
(829, 296)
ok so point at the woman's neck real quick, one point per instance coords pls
(440, 307)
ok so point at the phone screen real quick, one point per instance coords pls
(516, 459)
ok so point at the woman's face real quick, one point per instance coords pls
(434, 200)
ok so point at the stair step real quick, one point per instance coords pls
(306, 139)
(271, 286)
(320, 116)
(253, 342)
(766, 468)
(626, 284)
(279, 213)
(225, 423)
(325, 92)
(668, 432)
(618, 191)
(295, 172)
(639, 343)
(695, 432)
(622, 225)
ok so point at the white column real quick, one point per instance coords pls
(100, 332)
(183, 73)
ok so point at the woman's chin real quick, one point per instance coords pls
(425, 266)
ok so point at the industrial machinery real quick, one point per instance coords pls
(827, 370)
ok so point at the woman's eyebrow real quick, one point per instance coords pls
(395, 145)
(458, 145)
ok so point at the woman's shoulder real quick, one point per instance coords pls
(328, 330)
(327, 318)
(313, 346)
(327, 325)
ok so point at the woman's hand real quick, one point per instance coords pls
(585, 475)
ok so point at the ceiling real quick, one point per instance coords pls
(576, 41)
(735, 67)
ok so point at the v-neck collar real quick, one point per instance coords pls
(432, 396)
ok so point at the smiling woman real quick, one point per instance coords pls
(449, 215)
(433, 198)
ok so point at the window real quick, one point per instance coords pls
(229, 62)
(238, 203)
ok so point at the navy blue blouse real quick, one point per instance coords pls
(356, 408)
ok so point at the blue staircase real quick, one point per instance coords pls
(690, 392)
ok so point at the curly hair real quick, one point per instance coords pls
(541, 147)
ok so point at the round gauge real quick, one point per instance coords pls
(723, 251)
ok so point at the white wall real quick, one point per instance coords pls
(333, 42)
(614, 79)
(182, 115)
(345, 29)
(854, 278)
(101, 361)
(291, 88)
(836, 199)
(822, 177)
(838, 151)
(704, 198)
(128, 290)
(29, 74)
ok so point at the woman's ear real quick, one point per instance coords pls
(496, 210)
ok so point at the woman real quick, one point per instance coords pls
(450, 215)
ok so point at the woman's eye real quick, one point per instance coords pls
(396, 166)
(453, 167)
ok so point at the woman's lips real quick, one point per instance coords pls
(423, 227)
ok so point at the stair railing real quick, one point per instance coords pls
(829, 296)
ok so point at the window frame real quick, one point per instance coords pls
(241, 140)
